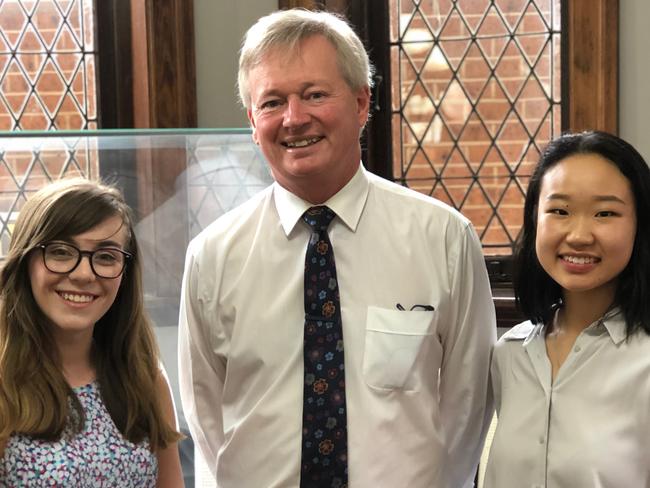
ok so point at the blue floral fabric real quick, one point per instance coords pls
(98, 456)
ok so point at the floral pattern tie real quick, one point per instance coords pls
(324, 419)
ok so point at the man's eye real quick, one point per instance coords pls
(270, 104)
(316, 96)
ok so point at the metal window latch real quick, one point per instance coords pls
(378, 79)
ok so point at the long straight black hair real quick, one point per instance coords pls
(537, 294)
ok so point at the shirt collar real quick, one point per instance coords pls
(614, 323)
(347, 203)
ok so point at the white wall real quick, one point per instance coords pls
(634, 74)
(219, 26)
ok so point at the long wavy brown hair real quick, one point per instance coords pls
(35, 398)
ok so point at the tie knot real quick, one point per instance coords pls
(318, 218)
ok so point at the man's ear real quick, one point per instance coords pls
(251, 120)
(363, 105)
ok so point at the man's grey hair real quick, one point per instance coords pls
(287, 28)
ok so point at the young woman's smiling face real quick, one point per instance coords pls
(75, 301)
(586, 225)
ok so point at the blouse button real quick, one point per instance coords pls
(577, 349)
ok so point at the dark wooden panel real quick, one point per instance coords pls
(591, 27)
(146, 64)
(286, 4)
(114, 63)
(164, 64)
(340, 6)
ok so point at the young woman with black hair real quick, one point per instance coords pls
(572, 383)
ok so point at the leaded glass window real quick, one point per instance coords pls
(476, 94)
(47, 82)
(47, 65)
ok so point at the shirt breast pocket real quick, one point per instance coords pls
(394, 339)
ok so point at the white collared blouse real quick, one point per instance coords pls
(590, 428)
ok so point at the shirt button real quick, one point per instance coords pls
(577, 349)
(542, 440)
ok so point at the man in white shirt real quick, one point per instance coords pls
(416, 313)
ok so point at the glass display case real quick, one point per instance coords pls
(177, 182)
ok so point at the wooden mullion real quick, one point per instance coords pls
(591, 30)
(164, 64)
(287, 4)
(114, 64)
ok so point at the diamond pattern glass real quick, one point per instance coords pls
(22, 171)
(47, 65)
(476, 94)
(223, 170)
(221, 174)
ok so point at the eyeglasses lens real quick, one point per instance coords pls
(64, 258)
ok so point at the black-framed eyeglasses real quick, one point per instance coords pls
(63, 258)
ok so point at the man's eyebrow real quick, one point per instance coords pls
(304, 86)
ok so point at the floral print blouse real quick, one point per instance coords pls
(96, 457)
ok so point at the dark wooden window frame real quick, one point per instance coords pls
(147, 73)
(589, 91)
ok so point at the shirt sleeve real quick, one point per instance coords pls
(201, 372)
(466, 404)
(495, 374)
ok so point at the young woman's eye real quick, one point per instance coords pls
(107, 256)
(60, 251)
(606, 213)
(557, 211)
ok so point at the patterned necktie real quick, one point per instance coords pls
(324, 419)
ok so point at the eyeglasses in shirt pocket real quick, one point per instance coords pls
(393, 340)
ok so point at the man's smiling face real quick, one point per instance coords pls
(306, 118)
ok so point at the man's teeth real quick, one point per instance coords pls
(303, 143)
(579, 259)
(77, 298)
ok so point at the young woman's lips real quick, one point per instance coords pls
(76, 299)
(579, 264)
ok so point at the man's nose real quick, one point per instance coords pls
(296, 113)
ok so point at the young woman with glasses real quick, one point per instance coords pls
(83, 401)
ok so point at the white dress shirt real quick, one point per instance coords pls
(590, 428)
(416, 381)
